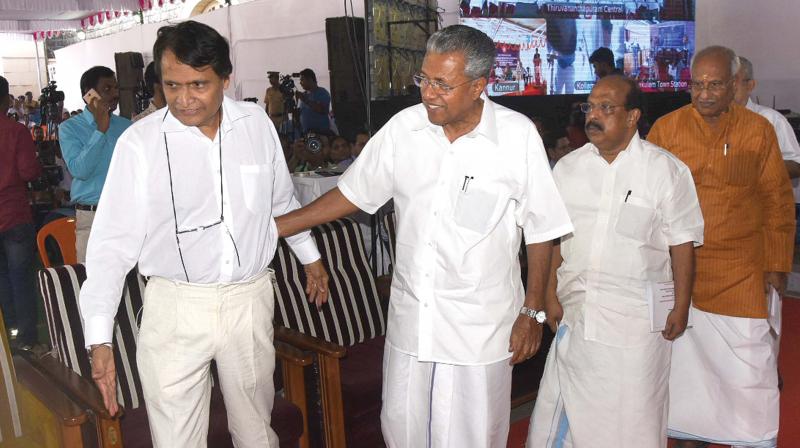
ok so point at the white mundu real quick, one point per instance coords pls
(456, 291)
(209, 296)
(606, 377)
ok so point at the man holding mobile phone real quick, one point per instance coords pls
(87, 143)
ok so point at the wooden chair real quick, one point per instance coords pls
(60, 287)
(346, 334)
(63, 231)
(33, 412)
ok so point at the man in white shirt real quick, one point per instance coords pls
(745, 83)
(467, 177)
(637, 219)
(190, 196)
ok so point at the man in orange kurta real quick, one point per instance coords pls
(723, 381)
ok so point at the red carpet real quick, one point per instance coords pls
(789, 361)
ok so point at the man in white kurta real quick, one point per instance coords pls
(467, 177)
(636, 218)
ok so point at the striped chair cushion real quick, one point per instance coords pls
(60, 287)
(10, 424)
(354, 313)
(390, 224)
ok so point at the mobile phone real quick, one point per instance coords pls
(90, 96)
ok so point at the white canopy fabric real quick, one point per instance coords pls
(30, 16)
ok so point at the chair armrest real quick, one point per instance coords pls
(384, 285)
(43, 389)
(289, 353)
(78, 388)
(306, 342)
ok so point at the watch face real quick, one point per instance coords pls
(540, 317)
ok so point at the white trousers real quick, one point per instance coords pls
(437, 405)
(185, 327)
(83, 224)
(724, 383)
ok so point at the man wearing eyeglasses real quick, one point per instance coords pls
(190, 196)
(637, 220)
(723, 381)
(467, 177)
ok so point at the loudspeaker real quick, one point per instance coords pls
(129, 75)
(346, 47)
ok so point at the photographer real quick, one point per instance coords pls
(87, 143)
(314, 103)
(273, 99)
(18, 165)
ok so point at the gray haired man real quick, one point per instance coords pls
(467, 177)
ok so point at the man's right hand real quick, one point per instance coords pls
(104, 374)
(102, 116)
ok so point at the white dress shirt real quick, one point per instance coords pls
(135, 222)
(626, 215)
(787, 140)
(461, 209)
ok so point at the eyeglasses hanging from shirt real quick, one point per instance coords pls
(219, 222)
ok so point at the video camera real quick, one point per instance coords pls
(51, 101)
(287, 88)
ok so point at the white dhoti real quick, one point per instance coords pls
(185, 327)
(605, 390)
(724, 382)
(427, 404)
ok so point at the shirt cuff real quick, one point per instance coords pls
(540, 237)
(306, 251)
(99, 330)
(680, 238)
(351, 196)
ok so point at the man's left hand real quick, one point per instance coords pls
(777, 280)
(316, 283)
(526, 337)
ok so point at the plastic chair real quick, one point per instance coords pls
(63, 231)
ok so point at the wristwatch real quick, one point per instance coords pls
(538, 316)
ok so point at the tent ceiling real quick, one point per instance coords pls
(24, 16)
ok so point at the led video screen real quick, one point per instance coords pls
(544, 46)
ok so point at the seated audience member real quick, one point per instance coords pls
(361, 141)
(65, 116)
(18, 166)
(75, 112)
(606, 377)
(87, 143)
(341, 153)
(154, 89)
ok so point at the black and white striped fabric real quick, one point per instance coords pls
(354, 312)
(10, 425)
(390, 224)
(60, 287)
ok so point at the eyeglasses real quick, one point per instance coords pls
(713, 86)
(606, 108)
(220, 221)
(438, 87)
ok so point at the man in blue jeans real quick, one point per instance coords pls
(18, 165)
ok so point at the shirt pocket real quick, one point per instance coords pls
(635, 219)
(256, 181)
(474, 209)
(740, 168)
